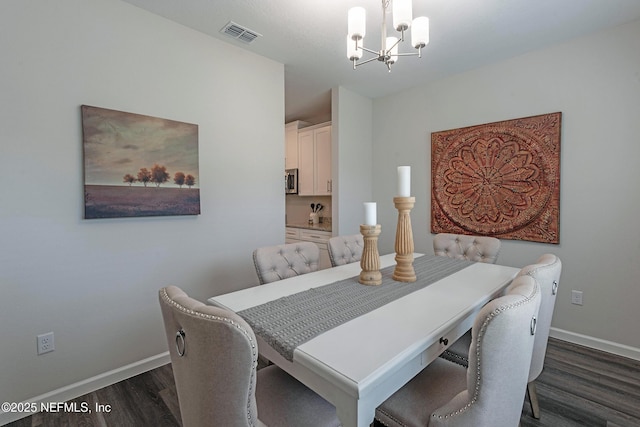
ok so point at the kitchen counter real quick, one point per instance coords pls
(305, 225)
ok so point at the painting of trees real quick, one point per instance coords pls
(130, 179)
(159, 174)
(178, 179)
(144, 176)
(124, 152)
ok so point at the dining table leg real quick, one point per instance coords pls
(355, 413)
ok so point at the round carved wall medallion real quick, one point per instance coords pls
(499, 179)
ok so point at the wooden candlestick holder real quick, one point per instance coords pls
(404, 271)
(370, 261)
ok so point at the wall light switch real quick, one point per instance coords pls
(576, 297)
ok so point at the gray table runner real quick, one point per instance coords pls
(290, 321)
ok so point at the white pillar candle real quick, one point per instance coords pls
(370, 213)
(404, 181)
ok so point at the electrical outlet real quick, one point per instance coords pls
(576, 297)
(46, 343)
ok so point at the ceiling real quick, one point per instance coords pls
(309, 38)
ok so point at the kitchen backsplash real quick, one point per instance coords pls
(298, 208)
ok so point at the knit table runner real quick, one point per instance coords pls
(290, 321)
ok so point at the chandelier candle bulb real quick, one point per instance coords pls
(420, 32)
(404, 181)
(370, 213)
(402, 14)
(357, 23)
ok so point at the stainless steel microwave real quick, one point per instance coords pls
(291, 181)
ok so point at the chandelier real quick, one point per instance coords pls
(388, 53)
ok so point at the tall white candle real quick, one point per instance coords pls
(370, 213)
(404, 181)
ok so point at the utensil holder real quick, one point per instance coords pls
(404, 271)
(314, 219)
(370, 261)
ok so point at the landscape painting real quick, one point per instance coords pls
(137, 166)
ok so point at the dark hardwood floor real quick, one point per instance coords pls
(578, 387)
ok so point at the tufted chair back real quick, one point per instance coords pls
(473, 248)
(282, 261)
(199, 335)
(503, 334)
(345, 249)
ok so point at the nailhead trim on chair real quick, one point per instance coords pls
(488, 320)
(254, 352)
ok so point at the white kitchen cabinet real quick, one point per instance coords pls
(314, 161)
(291, 143)
(320, 238)
(292, 235)
(306, 163)
(323, 161)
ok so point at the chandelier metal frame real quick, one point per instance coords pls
(387, 54)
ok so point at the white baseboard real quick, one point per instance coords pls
(103, 380)
(596, 343)
(91, 384)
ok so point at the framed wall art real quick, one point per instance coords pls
(136, 165)
(498, 179)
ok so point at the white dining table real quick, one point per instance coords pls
(357, 365)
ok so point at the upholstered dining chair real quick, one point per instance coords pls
(473, 248)
(214, 356)
(546, 271)
(345, 249)
(491, 391)
(282, 261)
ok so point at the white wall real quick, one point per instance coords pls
(94, 283)
(595, 82)
(351, 159)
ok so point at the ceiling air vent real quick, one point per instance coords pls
(239, 32)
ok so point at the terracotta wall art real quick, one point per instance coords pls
(498, 179)
(136, 165)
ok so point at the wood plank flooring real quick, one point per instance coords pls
(578, 387)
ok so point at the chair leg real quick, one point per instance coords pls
(533, 400)
(263, 362)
